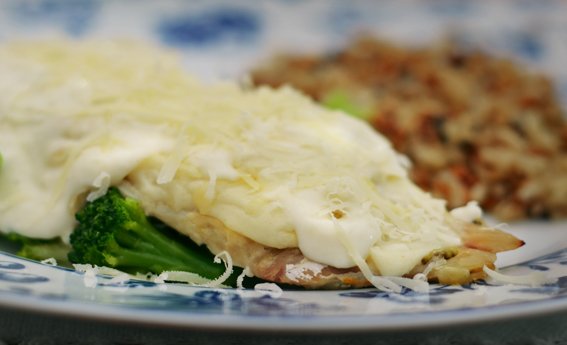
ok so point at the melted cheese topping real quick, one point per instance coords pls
(270, 164)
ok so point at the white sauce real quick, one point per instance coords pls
(468, 213)
(271, 165)
(45, 170)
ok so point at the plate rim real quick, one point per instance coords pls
(419, 320)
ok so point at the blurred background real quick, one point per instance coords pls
(225, 38)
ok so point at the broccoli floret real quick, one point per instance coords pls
(40, 249)
(114, 231)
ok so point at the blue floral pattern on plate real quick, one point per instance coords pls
(73, 17)
(211, 26)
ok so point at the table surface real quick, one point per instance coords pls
(27, 328)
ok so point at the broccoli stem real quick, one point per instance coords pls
(39, 249)
(157, 262)
(158, 253)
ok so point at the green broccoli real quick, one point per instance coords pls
(341, 100)
(113, 231)
(40, 249)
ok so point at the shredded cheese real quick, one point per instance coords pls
(240, 279)
(184, 277)
(225, 258)
(49, 261)
(91, 274)
(101, 183)
(468, 213)
(305, 270)
(119, 279)
(90, 279)
(434, 263)
(161, 278)
(271, 289)
(173, 162)
(389, 283)
(381, 283)
(169, 169)
(533, 279)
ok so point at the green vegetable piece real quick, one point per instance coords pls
(113, 231)
(41, 249)
(341, 100)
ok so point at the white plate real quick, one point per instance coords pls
(223, 39)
